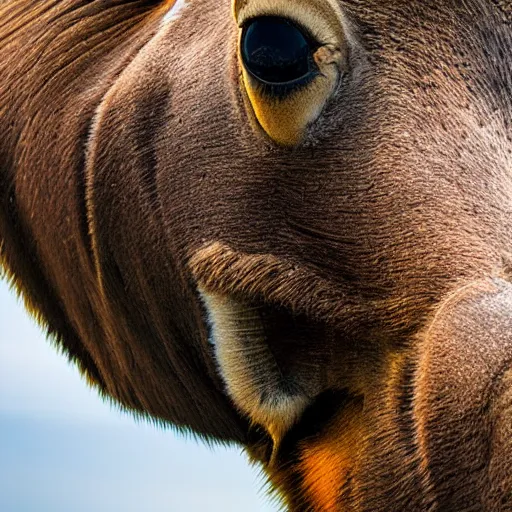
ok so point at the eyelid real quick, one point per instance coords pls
(321, 19)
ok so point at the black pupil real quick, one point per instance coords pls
(275, 51)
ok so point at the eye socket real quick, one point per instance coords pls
(277, 53)
(291, 57)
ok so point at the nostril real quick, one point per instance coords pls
(275, 51)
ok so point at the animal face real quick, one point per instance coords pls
(283, 224)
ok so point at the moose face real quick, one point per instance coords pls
(255, 221)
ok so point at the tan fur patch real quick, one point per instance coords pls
(328, 461)
(249, 368)
(286, 120)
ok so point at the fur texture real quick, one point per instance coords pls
(145, 215)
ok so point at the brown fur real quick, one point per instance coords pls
(374, 255)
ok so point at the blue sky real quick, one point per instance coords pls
(63, 450)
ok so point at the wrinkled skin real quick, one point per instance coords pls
(375, 252)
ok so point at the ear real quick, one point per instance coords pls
(463, 400)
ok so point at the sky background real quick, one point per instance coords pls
(64, 450)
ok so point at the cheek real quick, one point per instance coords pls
(328, 461)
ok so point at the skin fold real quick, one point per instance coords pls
(322, 277)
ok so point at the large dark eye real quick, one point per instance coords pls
(277, 52)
